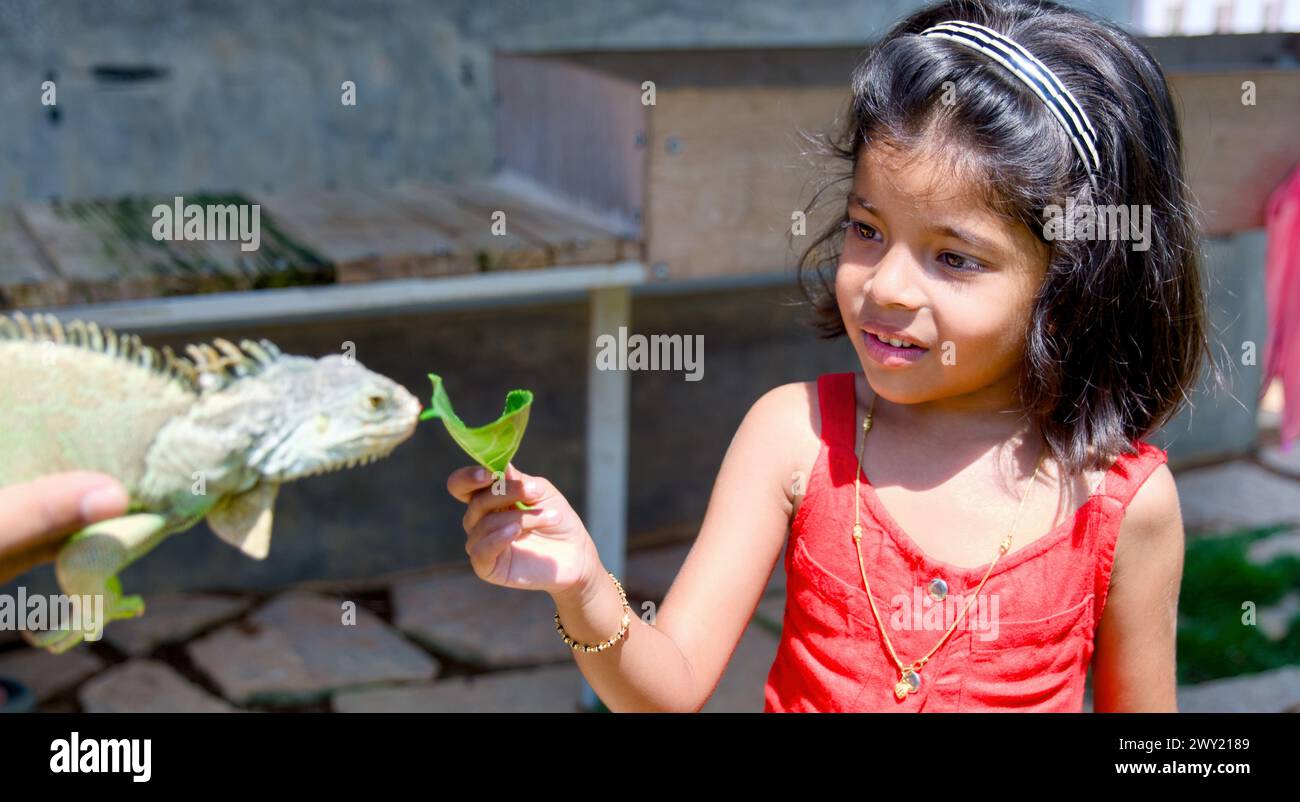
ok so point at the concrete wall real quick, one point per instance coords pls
(1221, 422)
(171, 96)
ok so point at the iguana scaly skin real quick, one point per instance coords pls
(213, 435)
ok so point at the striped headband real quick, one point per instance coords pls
(1034, 74)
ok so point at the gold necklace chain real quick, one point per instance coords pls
(909, 677)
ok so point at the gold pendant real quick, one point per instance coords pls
(909, 683)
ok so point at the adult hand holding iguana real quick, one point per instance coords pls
(37, 516)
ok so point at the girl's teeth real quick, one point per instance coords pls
(895, 343)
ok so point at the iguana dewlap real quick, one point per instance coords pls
(213, 435)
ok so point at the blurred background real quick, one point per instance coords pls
(627, 146)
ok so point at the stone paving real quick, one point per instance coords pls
(441, 640)
(1222, 498)
(447, 613)
(548, 689)
(172, 618)
(146, 686)
(47, 675)
(1276, 691)
(301, 647)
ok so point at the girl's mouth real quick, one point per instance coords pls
(891, 356)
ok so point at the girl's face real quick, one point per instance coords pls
(925, 262)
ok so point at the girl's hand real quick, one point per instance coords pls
(544, 548)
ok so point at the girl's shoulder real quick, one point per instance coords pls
(1146, 489)
(793, 412)
(793, 405)
(1126, 472)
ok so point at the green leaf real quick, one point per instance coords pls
(492, 445)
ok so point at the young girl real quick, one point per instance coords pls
(1015, 527)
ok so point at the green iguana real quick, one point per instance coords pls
(213, 435)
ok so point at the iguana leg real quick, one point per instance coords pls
(88, 565)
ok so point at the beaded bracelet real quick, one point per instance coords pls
(599, 647)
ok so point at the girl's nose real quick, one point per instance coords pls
(892, 281)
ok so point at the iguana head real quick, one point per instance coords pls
(331, 413)
(263, 418)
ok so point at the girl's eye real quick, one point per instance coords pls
(958, 262)
(864, 231)
(954, 261)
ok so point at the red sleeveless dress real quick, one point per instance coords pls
(1026, 642)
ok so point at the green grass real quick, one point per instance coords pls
(1213, 639)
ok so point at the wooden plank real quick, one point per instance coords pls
(26, 278)
(566, 238)
(280, 260)
(366, 237)
(124, 230)
(93, 263)
(105, 250)
(602, 219)
(1237, 155)
(574, 129)
(468, 227)
(721, 202)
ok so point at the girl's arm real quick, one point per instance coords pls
(676, 664)
(1133, 665)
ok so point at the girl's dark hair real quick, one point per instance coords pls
(1116, 336)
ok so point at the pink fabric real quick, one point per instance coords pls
(1050, 597)
(1282, 290)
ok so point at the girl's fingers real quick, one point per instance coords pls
(496, 526)
(486, 500)
(464, 481)
(484, 550)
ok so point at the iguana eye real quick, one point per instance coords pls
(376, 401)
